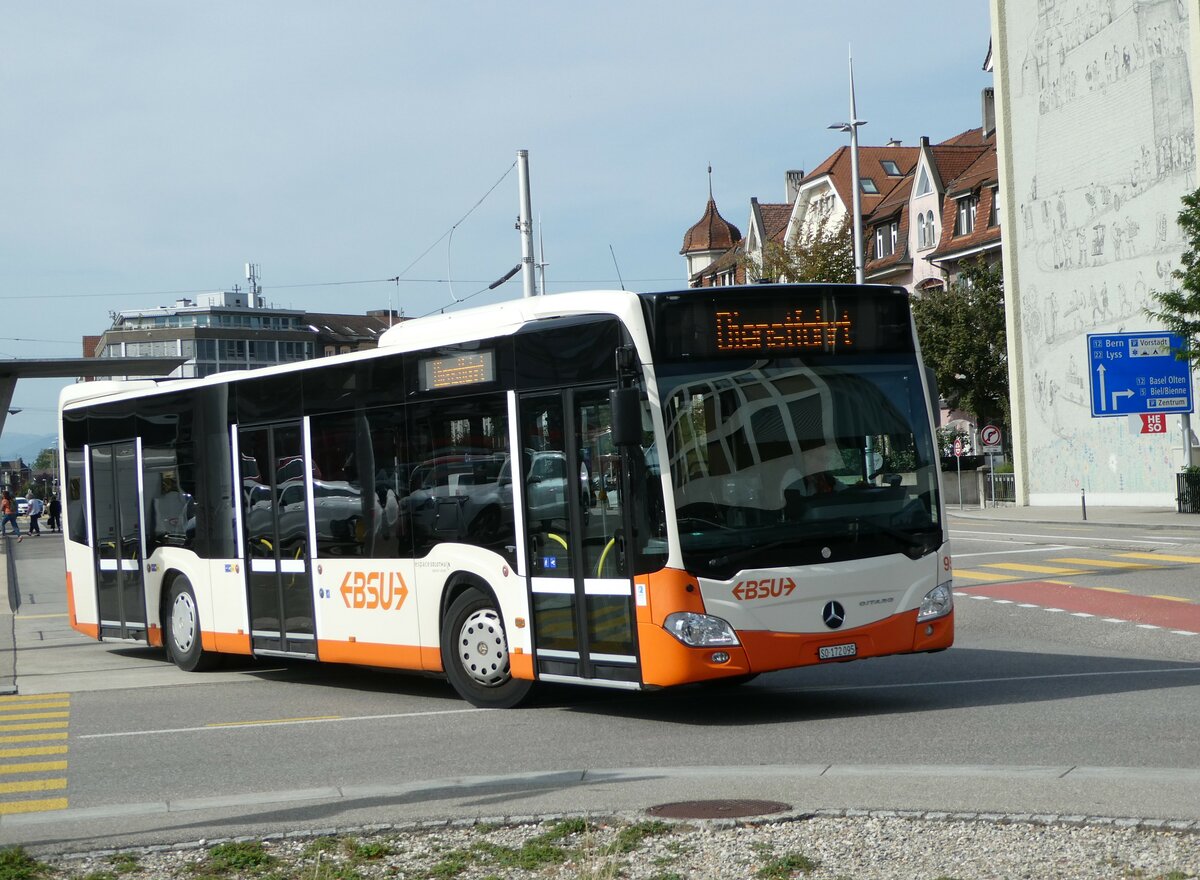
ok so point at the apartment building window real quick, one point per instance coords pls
(868, 186)
(891, 168)
(921, 233)
(994, 218)
(895, 235)
(964, 222)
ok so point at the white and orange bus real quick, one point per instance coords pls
(607, 488)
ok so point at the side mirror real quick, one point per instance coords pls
(626, 408)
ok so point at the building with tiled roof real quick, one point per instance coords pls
(710, 237)
(925, 210)
(970, 217)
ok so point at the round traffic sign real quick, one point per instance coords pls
(958, 446)
(989, 435)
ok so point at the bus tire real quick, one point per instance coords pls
(181, 625)
(475, 653)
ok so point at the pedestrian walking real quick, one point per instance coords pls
(8, 514)
(54, 514)
(34, 510)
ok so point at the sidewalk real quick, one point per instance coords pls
(1166, 518)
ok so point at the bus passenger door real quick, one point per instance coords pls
(273, 470)
(582, 591)
(117, 541)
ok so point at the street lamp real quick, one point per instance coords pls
(856, 196)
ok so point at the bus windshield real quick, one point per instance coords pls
(793, 461)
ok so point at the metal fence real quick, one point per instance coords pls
(1188, 495)
(1002, 488)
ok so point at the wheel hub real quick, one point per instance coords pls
(483, 651)
(183, 622)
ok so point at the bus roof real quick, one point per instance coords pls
(480, 322)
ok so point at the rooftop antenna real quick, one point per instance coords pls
(255, 288)
(618, 268)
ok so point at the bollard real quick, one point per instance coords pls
(1083, 502)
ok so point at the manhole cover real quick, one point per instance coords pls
(728, 809)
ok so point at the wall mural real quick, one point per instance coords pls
(1103, 145)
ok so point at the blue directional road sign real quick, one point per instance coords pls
(1135, 373)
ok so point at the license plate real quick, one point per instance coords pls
(833, 652)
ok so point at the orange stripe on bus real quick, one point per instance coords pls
(667, 591)
(371, 654)
(232, 643)
(898, 634)
(521, 666)
(666, 661)
(71, 601)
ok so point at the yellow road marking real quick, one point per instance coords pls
(274, 721)
(18, 707)
(14, 698)
(1061, 583)
(981, 575)
(31, 737)
(1161, 557)
(29, 753)
(40, 725)
(40, 616)
(1104, 563)
(1110, 589)
(34, 806)
(1036, 569)
(1171, 598)
(33, 785)
(32, 767)
(32, 715)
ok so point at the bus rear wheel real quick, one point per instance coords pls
(182, 629)
(475, 653)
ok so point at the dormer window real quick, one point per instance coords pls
(868, 186)
(890, 168)
(964, 222)
(886, 237)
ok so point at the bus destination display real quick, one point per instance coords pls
(454, 371)
(795, 331)
(784, 323)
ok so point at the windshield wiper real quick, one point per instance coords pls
(722, 561)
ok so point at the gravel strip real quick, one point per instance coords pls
(833, 845)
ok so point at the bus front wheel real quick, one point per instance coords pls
(475, 653)
(182, 624)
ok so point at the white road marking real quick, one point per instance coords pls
(1050, 549)
(1085, 541)
(258, 725)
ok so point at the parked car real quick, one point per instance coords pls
(22, 506)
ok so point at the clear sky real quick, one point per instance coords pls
(150, 149)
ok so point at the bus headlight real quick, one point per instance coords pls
(700, 630)
(938, 602)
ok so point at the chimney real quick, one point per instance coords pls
(893, 142)
(792, 185)
(989, 111)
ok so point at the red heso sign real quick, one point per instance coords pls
(1154, 423)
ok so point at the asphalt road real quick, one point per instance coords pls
(1065, 699)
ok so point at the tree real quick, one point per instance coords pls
(964, 339)
(825, 255)
(1179, 310)
(46, 459)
